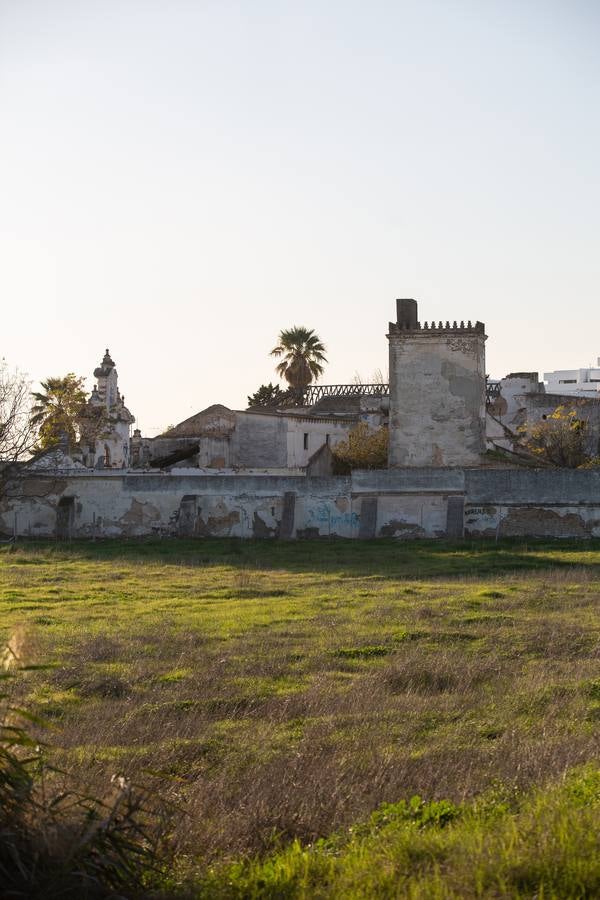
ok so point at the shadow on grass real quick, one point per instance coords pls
(381, 558)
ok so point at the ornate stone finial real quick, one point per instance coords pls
(440, 325)
(447, 325)
(107, 361)
(454, 324)
(462, 324)
(469, 324)
(426, 326)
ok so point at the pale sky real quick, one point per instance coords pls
(181, 179)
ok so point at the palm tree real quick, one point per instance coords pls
(302, 356)
(56, 410)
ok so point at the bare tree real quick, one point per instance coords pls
(379, 377)
(17, 433)
(18, 436)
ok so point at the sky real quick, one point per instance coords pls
(180, 180)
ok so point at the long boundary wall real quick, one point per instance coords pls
(400, 503)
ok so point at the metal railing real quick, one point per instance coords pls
(316, 392)
(492, 391)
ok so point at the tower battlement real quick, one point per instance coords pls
(437, 327)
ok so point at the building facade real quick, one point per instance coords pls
(576, 382)
(222, 438)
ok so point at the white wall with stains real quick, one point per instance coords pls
(399, 503)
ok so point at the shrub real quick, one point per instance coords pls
(364, 448)
(560, 439)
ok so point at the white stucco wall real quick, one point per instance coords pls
(578, 382)
(317, 433)
(512, 389)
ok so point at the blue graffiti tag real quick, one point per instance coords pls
(325, 515)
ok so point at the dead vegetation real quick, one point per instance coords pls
(271, 705)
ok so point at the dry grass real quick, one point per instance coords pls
(287, 701)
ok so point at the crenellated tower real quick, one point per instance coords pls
(437, 390)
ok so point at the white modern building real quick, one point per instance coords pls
(578, 382)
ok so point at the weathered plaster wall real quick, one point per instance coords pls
(212, 451)
(259, 440)
(437, 398)
(512, 389)
(533, 503)
(306, 435)
(249, 439)
(402, 503)
(171, 504)
(408, 503)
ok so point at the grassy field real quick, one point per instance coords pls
(291, 699)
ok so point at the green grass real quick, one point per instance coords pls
(281, 693)
(541, 845)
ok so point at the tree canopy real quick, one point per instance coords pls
(57, 408)
(302, 356)
(267, 395)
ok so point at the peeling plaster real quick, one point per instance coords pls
(139, 513)
(397, 528)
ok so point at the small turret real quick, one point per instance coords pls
(105, 420)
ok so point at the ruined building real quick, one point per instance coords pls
(263, 472)
(224, 439)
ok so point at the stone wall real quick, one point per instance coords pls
(400, 503)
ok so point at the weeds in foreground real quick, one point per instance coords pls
(63, 843)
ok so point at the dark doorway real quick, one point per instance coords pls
(65, 517)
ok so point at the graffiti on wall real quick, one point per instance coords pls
(324, 515)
